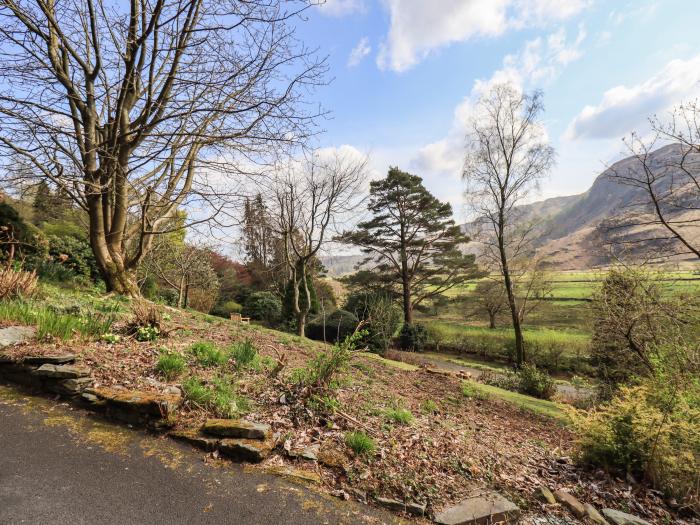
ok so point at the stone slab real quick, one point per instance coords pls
(250, 450)
(622, 518)
(482, 508)
(13, 335)
(236, 428)
(49, 359)
(571, 503)
(62, 371)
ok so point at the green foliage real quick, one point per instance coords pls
(29, 242)
(399, 415)
(381, 315)
(263, 306)
(338, 325)
(227, 308)
(75, 255)
(322, 371)
(110, 338)
(245, 355)
(147, 333)
(170, 364)
(429, 407)
(360, 443)
(207, 354)
(413, 337)
(219, 396)
(535, 382)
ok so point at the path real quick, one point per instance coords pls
(565, 390)
(60, 465)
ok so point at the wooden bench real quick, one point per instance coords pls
(239, 319)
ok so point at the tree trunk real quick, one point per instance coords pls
(519, 344)
(301, 323)
(121, 282)
(407, 309)
(492, 320)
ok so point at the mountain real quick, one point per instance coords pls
(571, 236)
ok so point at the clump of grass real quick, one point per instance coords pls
(399, 415)
(245, 355)
(170, 364)
(208, 354)
(429, 407)
(360, 443)
(220, 397)
(470, 390)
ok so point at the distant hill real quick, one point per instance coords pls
(570, 236)
(339, 265)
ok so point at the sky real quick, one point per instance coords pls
(407, 73)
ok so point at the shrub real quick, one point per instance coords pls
(535, 382)
(75, 255)
(245, 355)
(336, 326)
(360, 443)
(399, 415)
(170, 364)
(263, 306)
(168, 296)
(147, 333)
(219, 397)
(381, 315)
(207, 354)
(641, 433)
(227, 308)
(413, 337)
(146, 316)
(17, 283)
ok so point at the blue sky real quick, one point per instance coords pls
(407, 72)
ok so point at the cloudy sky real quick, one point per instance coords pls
(407, 72)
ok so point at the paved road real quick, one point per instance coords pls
(59, 465)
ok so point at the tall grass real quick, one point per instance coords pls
(555, 350)
(51, 324)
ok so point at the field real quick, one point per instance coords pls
(557, 333)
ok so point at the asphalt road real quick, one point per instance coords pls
(62, 466)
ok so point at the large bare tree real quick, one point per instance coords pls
(664, 217)
(309, 202)
(137, 108)
(507, 155)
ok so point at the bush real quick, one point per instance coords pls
(641, 433)
(170, 364)
(167, 296)
(207, 354)
(399, 415)
(147, 333)
(535, 382)
(360, 443)
(338, 325)
(16, 284)
(75, 255)
(381, 315)
(263, 306)
(413, 337)
(219, 397)
(227, 308)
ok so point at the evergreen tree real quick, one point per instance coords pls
(412, 240)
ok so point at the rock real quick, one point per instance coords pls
(310, 453)
(333, 458)
(253, 451)
(415, 509)
(48, 359)
(173, 391)
(71, 387)
(62, 371)
(571, 503)
(131, 404)
(90, 398)
(236, 428)
(594, 515)
(547, 495)
(391, 504)
(296, 475)
(15, 334)
(622, 518)
(481, 508)
(194, 438)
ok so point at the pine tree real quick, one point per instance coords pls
(412, 240)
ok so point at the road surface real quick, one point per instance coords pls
(61, 465)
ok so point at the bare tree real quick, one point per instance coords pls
(507, 155)
(135, 109)
(309, 201)
(492, 298)
(665, 215)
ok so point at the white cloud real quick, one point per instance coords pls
(417, 27)
(359, 52)
(538, 62)
(340, 7)
(625, 108)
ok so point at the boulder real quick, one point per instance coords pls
(622, 518)
(236, 428)
(416, 509)
(70, 387)
(482, 508)
(333, 458)
(194, 438)
(49, 359)
(250, 450)
(570, 502)
(15, 334)
(129, 404)
(391, 504)
(62, 371)
(593, 515)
